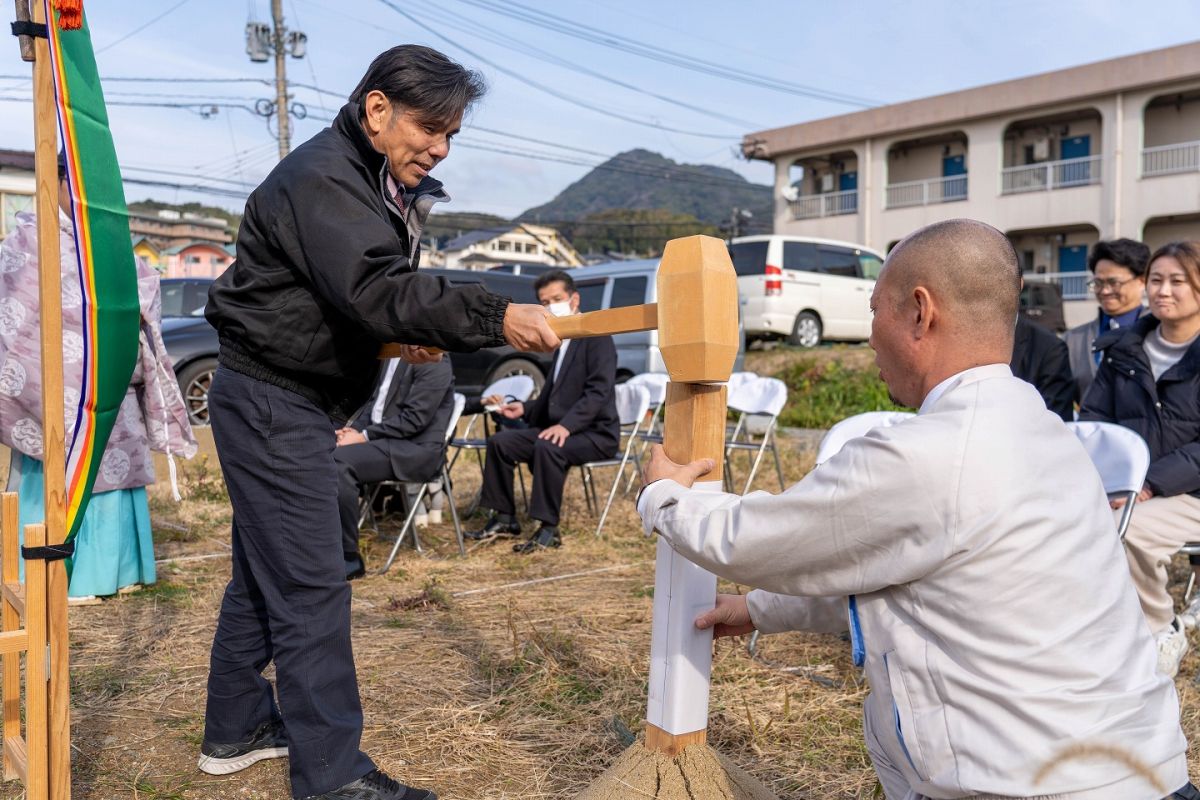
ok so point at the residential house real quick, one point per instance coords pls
(197, 260)
(515, 244)
(147, 249)
(167, 228)
(1057, 161)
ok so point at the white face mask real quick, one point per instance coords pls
(560, 309)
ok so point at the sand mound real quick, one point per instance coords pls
(698, 773)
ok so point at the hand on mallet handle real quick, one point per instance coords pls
(527, 328)
(731, 617)
(415, 354)
(685, 475)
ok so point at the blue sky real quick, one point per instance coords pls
(877, 52)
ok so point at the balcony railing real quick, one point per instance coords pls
(1170, 159)
(1050, 175)
(1072, 285)
(830, 204)
(923, 193)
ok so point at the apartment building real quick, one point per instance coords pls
(1057, 160)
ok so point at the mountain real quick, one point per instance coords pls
(640, 179)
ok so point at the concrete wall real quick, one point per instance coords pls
(1161, 231)
(1018, 138)
(920, 163)
(1170, 125)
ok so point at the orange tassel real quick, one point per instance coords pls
(70, 14)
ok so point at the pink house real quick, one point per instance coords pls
(196, 260)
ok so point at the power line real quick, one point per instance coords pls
(557, 24)
(544, 88)
(142, 27)
(470, 27)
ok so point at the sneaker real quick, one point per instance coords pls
(421, 520)
(435, 516)
(269, 740)
(376, 785)
(1172, 644)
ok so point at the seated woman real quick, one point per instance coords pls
(1149, 381)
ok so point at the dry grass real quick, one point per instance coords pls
(520, 692)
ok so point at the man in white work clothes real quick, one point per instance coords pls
(970, 552)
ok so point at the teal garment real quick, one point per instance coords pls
(114, 547)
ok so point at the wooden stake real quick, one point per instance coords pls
(10, 578)
(45, 128)
(37, 779)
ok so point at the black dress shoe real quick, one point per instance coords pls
(546, 537)
(495, 529)
(376, 785)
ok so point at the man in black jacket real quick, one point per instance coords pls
(574, 420)
(326, 272)
(1039, 357)
(398, 435)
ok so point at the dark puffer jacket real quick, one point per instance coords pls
(1166, 413)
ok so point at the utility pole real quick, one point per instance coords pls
(261, 41)
(281, 92)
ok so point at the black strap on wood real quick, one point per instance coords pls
(51, 552)
(27, 28)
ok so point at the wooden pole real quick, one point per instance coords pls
(45, 128)
(10, 576)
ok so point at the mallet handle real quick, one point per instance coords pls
(577, 326)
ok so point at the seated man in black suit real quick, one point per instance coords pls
(1041, 358)
(398, 435)
(573, 421)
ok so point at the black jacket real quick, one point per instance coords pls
(1041, 358)
(417, 410)
(326, 271)
(1166, 413)
(583, 398)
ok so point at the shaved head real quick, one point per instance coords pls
(969, 267)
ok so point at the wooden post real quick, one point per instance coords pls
(37, 778)
(698, 337)
(45, 128)
(10, 616)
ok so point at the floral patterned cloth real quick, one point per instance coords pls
(152, 415)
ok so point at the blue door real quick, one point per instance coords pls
(1079, 173)
(1073, 258)
(954, 169)
(848, 182)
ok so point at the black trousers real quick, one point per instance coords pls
(371, 462)
(548, 463)
(288, 600)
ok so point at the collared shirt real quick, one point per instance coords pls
(398, 194)
(385, 386)
(936, 392)
(562, 353)
(1108, 323)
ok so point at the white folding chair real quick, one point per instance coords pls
(738, 378)
(835, 439)
(1121, 457)
(755, 399)
(656, 384)
(854, 427)
(511, 388)
(633, 406)
(456, 412)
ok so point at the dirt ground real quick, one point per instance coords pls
(490, 677)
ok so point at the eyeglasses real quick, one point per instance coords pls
(1099, 285)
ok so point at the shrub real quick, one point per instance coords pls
(822, 394)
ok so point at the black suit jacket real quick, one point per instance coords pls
(1041, 358)
(416, 412)
(582, 399)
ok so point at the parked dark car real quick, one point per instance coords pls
(192, 342)
(1042, 303)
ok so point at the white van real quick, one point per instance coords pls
(805, 290)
